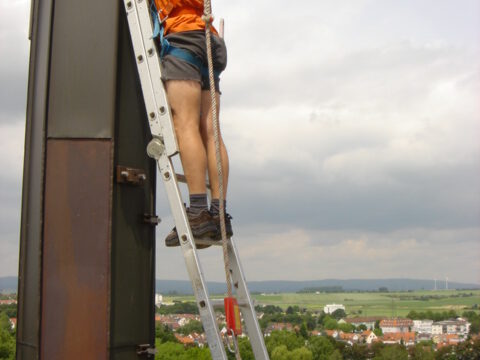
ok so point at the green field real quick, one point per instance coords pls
(374, 303)
(379, 304)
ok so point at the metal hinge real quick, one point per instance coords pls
(131, 176)
(146, 349)
(150, 219)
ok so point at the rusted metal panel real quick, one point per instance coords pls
(76, 250)
(29, 279)
(83, 69)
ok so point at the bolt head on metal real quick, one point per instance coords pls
(166, 175)
(162, 110)
(152, 115)
(150, 52)
(155, 148)
(184, 238)
(129, 5)
(140, 58)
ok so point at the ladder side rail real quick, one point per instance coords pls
(144, 72)
(163, 111)
(246, 304)
(192, 262)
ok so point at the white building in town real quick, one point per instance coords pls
(369, 336)
(437, 329)
(422, 326)
(458, 326)
(158, 300)
(331, 308)
(396, 325)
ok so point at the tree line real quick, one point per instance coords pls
(287, 345)
(7, 337)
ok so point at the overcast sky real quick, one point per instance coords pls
(353, 130)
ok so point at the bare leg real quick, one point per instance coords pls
(184, 97)
(206, 130)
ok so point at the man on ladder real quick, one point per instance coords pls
(186, 79)
(191, 53)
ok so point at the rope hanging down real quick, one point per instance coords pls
(208, 19)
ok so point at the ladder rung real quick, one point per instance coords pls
(218, 303)
(181, 178)
(208, 241)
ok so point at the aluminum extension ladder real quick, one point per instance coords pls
(162, 148)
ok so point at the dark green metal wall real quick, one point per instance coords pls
(133, 249)
(87, 259)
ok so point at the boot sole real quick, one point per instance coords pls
(176, 242)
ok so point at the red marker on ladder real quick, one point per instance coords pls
(232, 314)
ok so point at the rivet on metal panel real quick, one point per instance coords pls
(202, 304)
(150, 52)
(162, 110)
(152, 116)
(140, 58)
(129, 5)
(184, 238)
(166, 175)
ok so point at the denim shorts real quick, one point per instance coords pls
(174, 68)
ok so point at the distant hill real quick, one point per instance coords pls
(185, 287)
(8, 284)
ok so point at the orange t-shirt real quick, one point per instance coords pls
(181, 15)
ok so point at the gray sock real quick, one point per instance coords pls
(215, 206)
(198, 203)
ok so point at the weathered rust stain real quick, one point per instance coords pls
(76, 250)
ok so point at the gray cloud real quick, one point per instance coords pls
(438, 198)
(14, 47)
(14, 51)
(295, 253)
(12, 96)
(10, 193)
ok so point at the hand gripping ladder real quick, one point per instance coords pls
(162, 148)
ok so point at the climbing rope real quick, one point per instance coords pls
(208, 19)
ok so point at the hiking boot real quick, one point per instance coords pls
(202, 225)
(228, 226)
